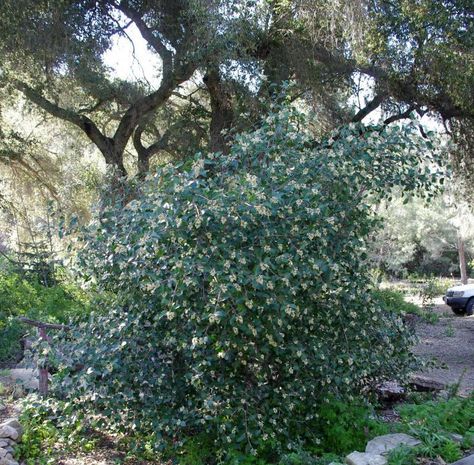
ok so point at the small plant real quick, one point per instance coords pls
(345, 427)
(429, 290)
(402, 456)
(468, 439)
(437, 444)
(300, 458)
(453, 389)
(39, 438)
(197, 451)
(47, 430)
(449, 331)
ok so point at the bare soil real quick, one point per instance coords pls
(449, 342)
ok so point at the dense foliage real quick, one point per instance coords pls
(22, 297)
(238, 296)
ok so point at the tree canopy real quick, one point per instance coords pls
(53, 55)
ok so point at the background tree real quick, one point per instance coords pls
(62, 69)
(410, 51)
(433, 238)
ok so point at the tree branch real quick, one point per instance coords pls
(369, 108)
(83, 122)
(405, 114)
(139, 110)
(42, 325)
(148, 35)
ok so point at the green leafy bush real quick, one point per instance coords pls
(345, 427)
(48, 429)
(11, 332)
(239, 296)
(394, 301)
(20, 297)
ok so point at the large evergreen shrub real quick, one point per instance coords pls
(238, 296)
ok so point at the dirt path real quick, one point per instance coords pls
(450, 342)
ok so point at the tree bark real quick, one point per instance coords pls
(146, 153)
(222, 113)
(462, 260)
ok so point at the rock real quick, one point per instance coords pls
(6, 442)
(444, 395)
(8, 461)
(465, 461)
(456, 437)
(5, 455)
(384, 444)
(425, 384)
(3, 407)
(8, 432)
(27, 377)
(364, 458)
(391, 391)
(13, 423)
(427, 461)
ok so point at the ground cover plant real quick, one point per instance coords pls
(434, 422)
(239, 299)
(344, 427)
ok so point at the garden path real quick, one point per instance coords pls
(449, 341)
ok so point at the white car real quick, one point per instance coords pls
(461, 299)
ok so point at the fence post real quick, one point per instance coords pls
(43, 370)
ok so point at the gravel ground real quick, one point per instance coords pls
(450, 342)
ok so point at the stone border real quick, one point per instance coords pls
(10, 434)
